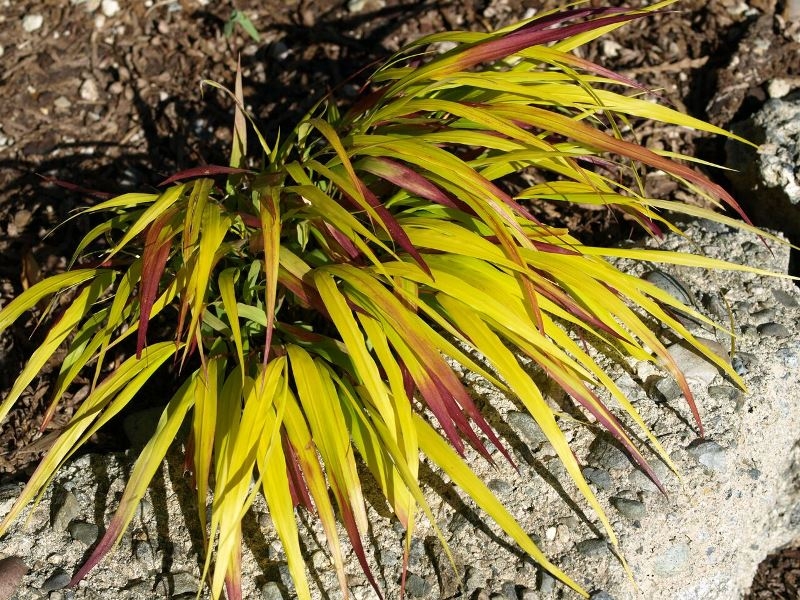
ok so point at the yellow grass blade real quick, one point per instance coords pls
(228, 294)
(161, 205)
(45, 288)
(271, 462)
(463, 476)
(123, 380)
(321, 406)
(214, 227)
(232, 491)
(56, 336)
(203, 431)
(146, 465)
(308, 461)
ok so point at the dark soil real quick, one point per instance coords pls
(113, 103)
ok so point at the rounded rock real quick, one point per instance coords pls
(633, 510)
(724, 392)
(109, 8)
(599, 477)
(12, 570)
(59, 579)
(666, 389)
(499, 486)
(271, 591)
(83, 532)
(31, 23)
(696, 368)
(785, 298)
(773, 330)
(88, 90)
(709, 454)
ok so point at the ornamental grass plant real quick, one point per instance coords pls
(328, 284)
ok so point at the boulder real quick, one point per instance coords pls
(767, 179)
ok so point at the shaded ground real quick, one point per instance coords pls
(109, 99)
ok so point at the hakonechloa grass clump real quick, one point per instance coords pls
(329, 293)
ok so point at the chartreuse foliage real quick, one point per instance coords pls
(329, 293)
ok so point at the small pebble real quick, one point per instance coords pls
(696, 369)
(610, 48)
(598, 477)
(83, 532)
(672, 560)
(498, 486)
(546, 583)
(724, 392)
(785, 298)
(630, 509)
(416, 586)
(58, 580)
(271, 591)
(66, 509)
(773, 330)
(88, 90)
(89, 5)
(62, 102)
(789, 358)
(606, 454)
(389, 558)
(31, 23)
(709, 454)
(666, 389)
(764, 315)
(743, 362)
(779, 87)
(600, 595)
(109, 7)
(355, 6)
(594, 547)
